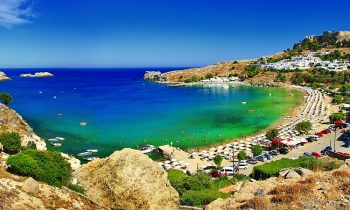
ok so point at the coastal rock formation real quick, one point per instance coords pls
(73, 162)
(156, 76)
(127, 179)
(3, 76)
(26, 193)
(38, 74)
(10, 121)
(320, 190)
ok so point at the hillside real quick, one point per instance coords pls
(320, 190)
(331, 42)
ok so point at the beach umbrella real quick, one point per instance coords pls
(220, 147)
(167, 162)
(181, 161)
(173, 160)
(212, 149)
(178, 167)
(211, 153)
(161, 163)
(204, 151)
(194, 153)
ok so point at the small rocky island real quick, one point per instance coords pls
(3, 76)
(38, 74)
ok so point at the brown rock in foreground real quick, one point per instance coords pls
(128, 179)
(25, 193)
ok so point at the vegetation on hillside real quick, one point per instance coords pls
(6, 98)
(272, 133)
(199, 189)
(45, 166)
(11, 142)
(271, 169)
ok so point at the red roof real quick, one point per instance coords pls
(338, 122)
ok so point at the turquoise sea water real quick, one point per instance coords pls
(122, 110)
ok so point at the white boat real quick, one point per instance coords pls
(147, 148)
(53, 140)
(90, 158)
(60, 138)
(243, 102)
(83, 154)
(56, 144)
(92, 150)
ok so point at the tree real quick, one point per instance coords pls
(6, 98)
(303, 126)
(336, 116)
(11, 142)
(242, 155)
(256, 150)
(337, 99)
(218, 160)
(272, 133)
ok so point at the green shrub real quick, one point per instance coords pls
(240, 177)
(45, 166)
(76, 188)
(6, 98)
(241, 155)
(198, 189)
(11, 142)
(175, 175)
(303, 126)
(201, 197)
(257, 150)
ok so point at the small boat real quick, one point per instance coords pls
(56, 144)
(92, 150)
(250, 110)
(83, 123)
(53, 140)
(90, 158)
(59, 114)
(146, 148)
(55, 97)
(243, 102)
(270, 94)
(60, 138)
(83, 154)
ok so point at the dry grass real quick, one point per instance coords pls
(6, 198)
(345, 187)
(258, 203)
(341, 173)
(296, 188)
(285, 198)
(308, 180)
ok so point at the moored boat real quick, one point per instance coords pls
(83, 154)
(56, 144)
(90, 158)
(147, 148)
(92, 150)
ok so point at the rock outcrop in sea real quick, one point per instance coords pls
(3, 77)
(11, 121)
(156, 76)
(38, 74)
(128, 179)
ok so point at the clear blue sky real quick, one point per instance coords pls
(157, 33)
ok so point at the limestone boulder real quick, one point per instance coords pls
(127, 179)
(303, 171)
(292, 174)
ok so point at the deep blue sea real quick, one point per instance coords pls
(123, 110)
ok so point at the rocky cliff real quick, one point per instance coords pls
(128, 179)
(3, 76)
(25, 193)
(10, 121)
(156, 76)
